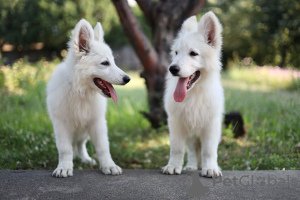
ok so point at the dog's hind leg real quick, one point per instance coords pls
(192, 144)
(82, 152)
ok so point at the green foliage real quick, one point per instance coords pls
(1, 80)
(19, 24)
(28, 21)
(277, 24)
(27, 139)
(1, 73)
(267, 31)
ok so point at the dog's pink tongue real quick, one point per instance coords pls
(112, 91)
(180, 91)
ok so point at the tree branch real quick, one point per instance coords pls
(165, 18)
(138, 39)
(146, 7)
(193, 8)
(184, 9)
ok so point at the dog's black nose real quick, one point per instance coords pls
(174, 69)
(126, 79)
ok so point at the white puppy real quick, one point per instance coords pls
(194, 98)
(76, 99)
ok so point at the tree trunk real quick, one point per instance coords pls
(165, 18)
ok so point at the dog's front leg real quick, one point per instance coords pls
(210, 139)
(99, 137)
(64, 145)
(193, 145)
(177, 143)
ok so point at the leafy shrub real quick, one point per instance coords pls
(22, 75)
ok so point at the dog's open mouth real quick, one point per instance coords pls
(107, 89)
(192, 79)
(185, 84)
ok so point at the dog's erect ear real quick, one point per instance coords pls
(83, 34)
(99, 33)
(210, 27)
(190, 24)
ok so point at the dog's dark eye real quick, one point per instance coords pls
(106, 63)
(176, 52)
(193, 53)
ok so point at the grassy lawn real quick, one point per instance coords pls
(271, 113)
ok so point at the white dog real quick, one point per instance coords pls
(76, 99)
(194, 98)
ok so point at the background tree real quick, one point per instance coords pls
(164, 18)
(278, 25)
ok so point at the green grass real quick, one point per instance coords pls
(27, 142)
(272, 119)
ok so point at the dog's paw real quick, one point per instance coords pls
(190, 168)
(211, 172)
(113, 170)
(170, 169)
(63, 170)
(89, 161)
(93, 162)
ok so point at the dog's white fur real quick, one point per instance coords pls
(76, 105)
(196, 122)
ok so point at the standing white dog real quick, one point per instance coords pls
(76, 99)
(195, 82)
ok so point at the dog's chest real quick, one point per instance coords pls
(195, 111)
(83, 111)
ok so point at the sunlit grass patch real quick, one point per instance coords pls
(136, 82)
(243, 85)
(266, 76)
(155, 142)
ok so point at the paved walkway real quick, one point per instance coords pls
(149, 184)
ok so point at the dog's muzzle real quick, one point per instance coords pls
(126, 79)
(174, 69)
